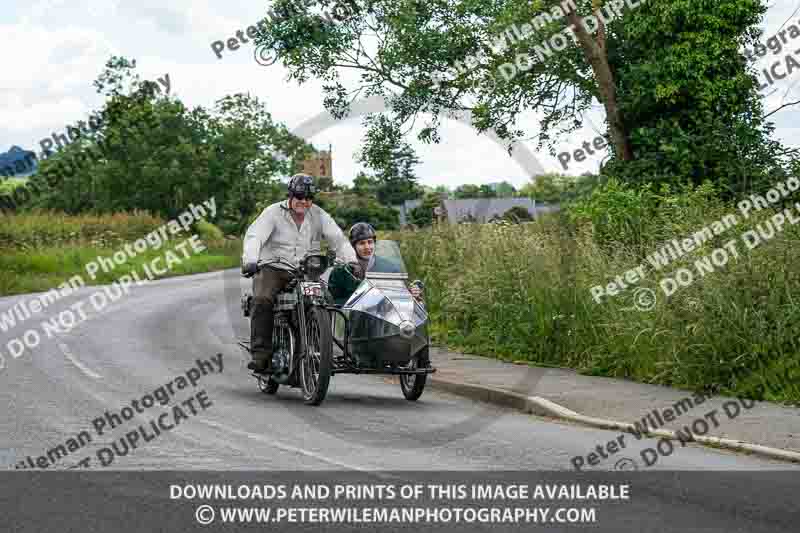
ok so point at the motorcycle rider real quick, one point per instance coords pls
(345, 279)
(286, 229)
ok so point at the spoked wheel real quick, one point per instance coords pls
(267, 385)
(413, 384)
(316, 366)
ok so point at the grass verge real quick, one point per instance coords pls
(523, 292)
(46, 268)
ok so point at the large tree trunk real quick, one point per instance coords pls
(596, 55)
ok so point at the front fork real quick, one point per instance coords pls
(301, 322)
(305, 301)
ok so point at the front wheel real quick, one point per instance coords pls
(412, 385)
(317, 364)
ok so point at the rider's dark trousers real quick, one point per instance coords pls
(266, 285)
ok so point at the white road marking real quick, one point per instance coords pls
(83, 368)
(294, 449)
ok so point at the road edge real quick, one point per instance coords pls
(542, 407)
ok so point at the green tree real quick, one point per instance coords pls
(467, 191)
(505, 190)
(560, 188)
(475, 191)
(152, 153)
(486, 191)
(423, 215)
(549, 187)
(689, 112)
(365, 184)
(349, 208)
(393, 161)
(442, 190)
(245, 137)
(517, 214)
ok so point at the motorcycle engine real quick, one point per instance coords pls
(280, 361)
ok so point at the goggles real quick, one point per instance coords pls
(303, 196)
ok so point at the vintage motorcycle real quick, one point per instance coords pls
(384, 330)
(301, 333)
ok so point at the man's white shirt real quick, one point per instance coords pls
(275, 234)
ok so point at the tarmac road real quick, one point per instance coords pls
(158, 332)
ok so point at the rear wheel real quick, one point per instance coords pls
(316, 366)
(412, 385)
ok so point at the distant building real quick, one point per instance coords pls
(502, 188)
(319, 165)
(544, 207)
(404, 210)
(18, 163)
(485, 209)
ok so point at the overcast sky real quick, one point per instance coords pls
(54, 49)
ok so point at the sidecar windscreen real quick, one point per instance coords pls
(387, 326)
(388, 260)
(390, 300)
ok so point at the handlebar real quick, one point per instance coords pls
(280, 261)
(296, 270)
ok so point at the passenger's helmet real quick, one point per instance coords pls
(302, 186)
(361, 231)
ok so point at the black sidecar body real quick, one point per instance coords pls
(385, 327)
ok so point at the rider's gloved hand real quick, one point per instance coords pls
(356, 269)
(249, 269)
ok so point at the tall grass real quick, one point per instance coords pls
(41, 250)
(524, 292)
(41, 229)
(7, 185)
(43, 269)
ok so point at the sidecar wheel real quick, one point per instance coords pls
(316, 367)
(413, 386)
(267, 385)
